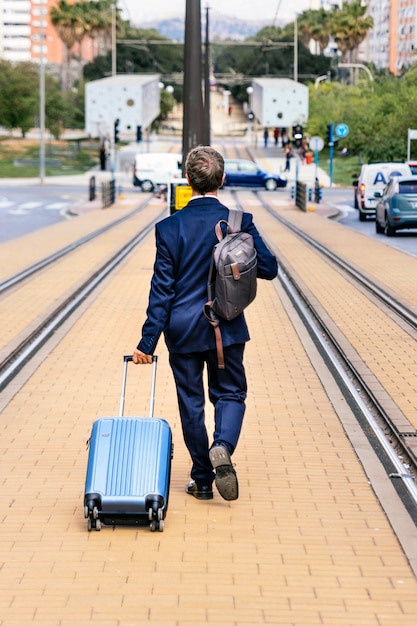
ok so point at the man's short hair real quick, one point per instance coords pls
(204, 167)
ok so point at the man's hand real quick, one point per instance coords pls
(140, 358)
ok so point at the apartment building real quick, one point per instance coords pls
(24, 24)
(405, 40)
(392, 42)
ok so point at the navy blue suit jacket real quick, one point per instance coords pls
(184, 243)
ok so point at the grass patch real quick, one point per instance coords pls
(344, 167)
(19, 158)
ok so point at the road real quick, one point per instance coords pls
(342, 200)
(24, 209)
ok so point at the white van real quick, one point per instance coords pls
(374, 177)
(155, 169)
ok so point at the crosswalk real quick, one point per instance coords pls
(13, 207)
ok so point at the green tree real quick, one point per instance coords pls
(65, 21)
(19, 95)
(349, 27)
(56, 107)
(75, 22)
(140, 57)
(320, 29)
(378, 119)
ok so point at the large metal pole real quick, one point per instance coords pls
(193, 124)
(207, 137)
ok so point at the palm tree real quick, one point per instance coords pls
(304, 25)
(320, 29)
(61, 18)
(349, 27)
(100, 22)
(74, 22)
(361, 24)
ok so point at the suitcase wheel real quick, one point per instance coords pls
(93, 524)
(154, 525)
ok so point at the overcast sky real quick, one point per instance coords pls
(138, 11)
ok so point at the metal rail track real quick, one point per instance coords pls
(29, 346)
(56, 256)
(373, 414)
(406, 314)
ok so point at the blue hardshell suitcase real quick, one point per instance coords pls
(129, 467)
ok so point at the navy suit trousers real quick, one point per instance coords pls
(227, 393)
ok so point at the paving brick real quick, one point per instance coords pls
(307, 542)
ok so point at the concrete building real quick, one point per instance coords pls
(279, 102)
(132, 99)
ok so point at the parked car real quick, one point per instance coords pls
(152, 170)
(372, 178)
(413, 167)
(396, 207)
(243, 173)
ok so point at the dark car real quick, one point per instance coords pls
(242, 173)
(396, 207)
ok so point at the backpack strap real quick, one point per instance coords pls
(233, 224)
(235, 220)
(214, 321)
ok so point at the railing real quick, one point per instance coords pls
(301, 196)
(108, 193)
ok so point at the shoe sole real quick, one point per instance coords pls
(226, 479)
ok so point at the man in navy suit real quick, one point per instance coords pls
(184, 244)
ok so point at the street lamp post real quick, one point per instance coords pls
(42, 99)
(249, 91)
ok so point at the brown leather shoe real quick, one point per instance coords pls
(201, 492)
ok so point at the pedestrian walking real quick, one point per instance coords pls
(103, 157)
(288, 156)
(266, 137)
(184, 244)
(276, 136)
(302, 151)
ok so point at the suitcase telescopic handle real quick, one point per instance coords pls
(126, 360)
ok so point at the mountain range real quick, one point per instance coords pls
(220, 28)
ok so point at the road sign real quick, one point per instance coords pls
(316, 144)
(342, 130)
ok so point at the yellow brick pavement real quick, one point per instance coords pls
(306, 544)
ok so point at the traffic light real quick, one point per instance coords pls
(251, 116)
(138, 134)
(116, 131)
(330, 136)
(297, 135)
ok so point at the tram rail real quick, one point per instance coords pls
(59, 254)
(391, 429)
(21, 350)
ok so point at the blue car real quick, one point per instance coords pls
(242, 173)
(396, 207)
